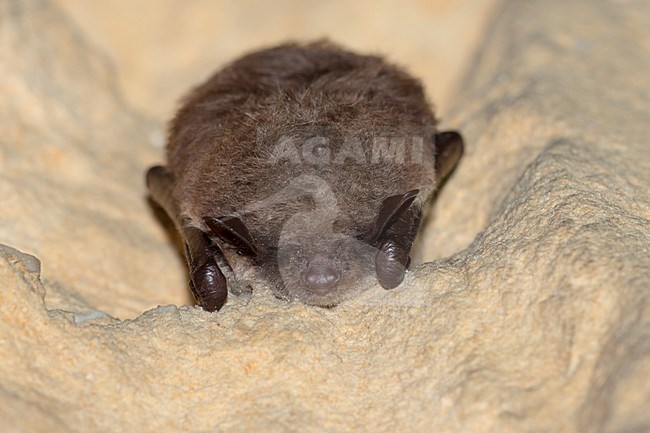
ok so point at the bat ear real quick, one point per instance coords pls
(232, 230)
(391, 208)
(449, 148)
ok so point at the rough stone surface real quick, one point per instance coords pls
(72, 156)
(162, 47)
(538, 321)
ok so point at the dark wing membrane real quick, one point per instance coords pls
(207, 282)
(449, 149)
(392, 258)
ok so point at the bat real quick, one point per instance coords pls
(304, 168)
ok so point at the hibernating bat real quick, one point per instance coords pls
(304, 168)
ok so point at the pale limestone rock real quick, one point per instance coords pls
(538, 322)
(72, 156)
(162, 47)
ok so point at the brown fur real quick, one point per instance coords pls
(222, 140)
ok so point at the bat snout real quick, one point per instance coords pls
(321, 275)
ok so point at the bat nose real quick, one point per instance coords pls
(321, 275)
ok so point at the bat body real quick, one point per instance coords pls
(304, 168)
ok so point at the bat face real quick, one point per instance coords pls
(319, 270)
(302, 168)
(311, 260)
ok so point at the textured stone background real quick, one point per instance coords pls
(161, 47)
(534, 317)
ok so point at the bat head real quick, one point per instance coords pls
(311, 260)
